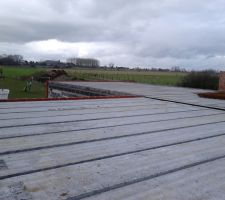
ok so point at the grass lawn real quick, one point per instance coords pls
(13, 82)
(14, 79)
(18, 72)
(157, 78)
(16, 88)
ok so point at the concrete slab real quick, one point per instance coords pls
(133, 148)
(185, 95)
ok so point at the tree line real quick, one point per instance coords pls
(11, 59)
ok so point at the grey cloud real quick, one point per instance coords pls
(144, 32)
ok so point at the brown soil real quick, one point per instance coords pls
(50, 75)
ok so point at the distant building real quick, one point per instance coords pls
(84, 62)
(51, 63)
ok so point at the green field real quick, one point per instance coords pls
(18, 72)
(158, 78)
(15, 79)
(16, 89)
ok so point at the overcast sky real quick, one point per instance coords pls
(148, 33)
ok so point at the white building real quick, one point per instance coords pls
(84, 62)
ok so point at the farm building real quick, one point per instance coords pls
(84, 62)
(131, 141)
